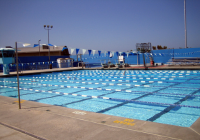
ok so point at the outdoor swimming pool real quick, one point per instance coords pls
(162, 96)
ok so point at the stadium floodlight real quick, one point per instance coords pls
(48, 27)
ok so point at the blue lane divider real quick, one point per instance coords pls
(117, 90)
(122, 74)
(113, 84)
(108, 98)
(147, 74)
(147, 78)
(138, 71)
(136, 80)
(132, 72)
(99, 75)
(134, 77)
(108, 80)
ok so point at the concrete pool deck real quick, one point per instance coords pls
(42, 121)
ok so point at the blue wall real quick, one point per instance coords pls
(163, 56)
(159, 56)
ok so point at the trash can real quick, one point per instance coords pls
(50, 66)
(63, 62)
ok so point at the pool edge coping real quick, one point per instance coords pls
(28, 72)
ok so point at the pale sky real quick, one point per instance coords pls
(111, 25)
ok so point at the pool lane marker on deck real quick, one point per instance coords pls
(116, 99)
(126, 122)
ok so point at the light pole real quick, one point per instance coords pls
(39, 46)
(48, 27)
(185, 24)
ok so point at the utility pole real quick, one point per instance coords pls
(185, 24)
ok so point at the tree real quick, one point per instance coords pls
(165, 47)
(138, 49)
(159, 47)
(154, 47)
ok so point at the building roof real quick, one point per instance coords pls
(36, 49)
(7, 49)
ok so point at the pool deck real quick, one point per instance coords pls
(42, 121)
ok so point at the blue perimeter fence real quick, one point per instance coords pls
(36, 66)
(159, 56)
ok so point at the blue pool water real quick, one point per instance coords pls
(162, 96)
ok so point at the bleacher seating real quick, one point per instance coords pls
(183, 61)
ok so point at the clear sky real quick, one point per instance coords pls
(110, 25)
